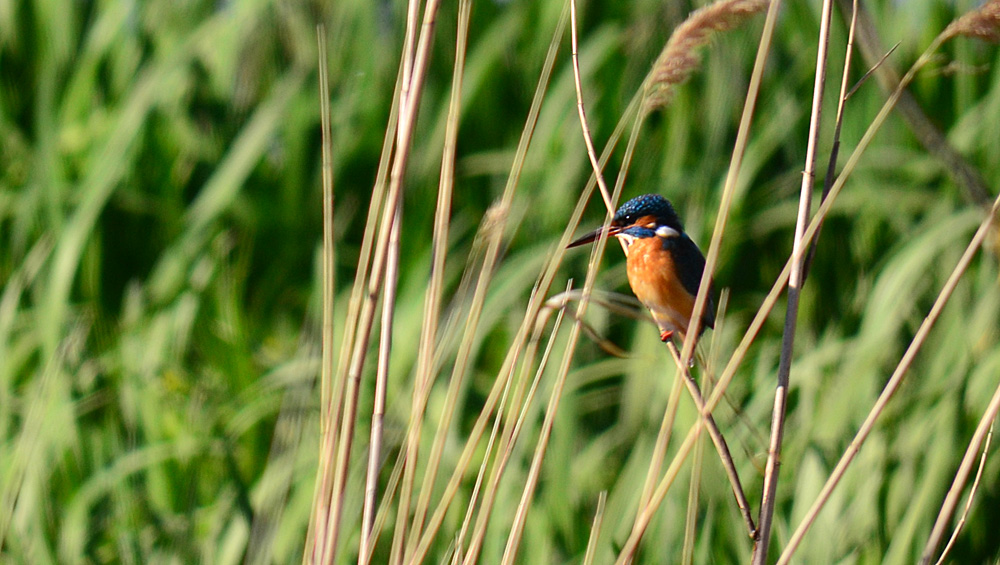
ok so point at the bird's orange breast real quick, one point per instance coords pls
(652, 275)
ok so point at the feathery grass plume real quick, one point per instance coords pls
(680, 58)
(983, 23)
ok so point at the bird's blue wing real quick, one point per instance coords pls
(690, 264)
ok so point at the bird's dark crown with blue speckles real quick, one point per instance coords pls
(648, 205)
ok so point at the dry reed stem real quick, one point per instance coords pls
(702, 297)
(433, 295)
(983, 431)
(409, 464)
(381, 383)
(890, 388)
(795, 281)
(481, 474)
(595, 528)
(492, 233)
(329, 256)
(437, 516)
(492, 254)
(680, 58)
(874, 68)
(772, 297)
(628, 550)
(691, 514)
(673, 401)
(646, 515)
(319, 516)
(506, 447)
(661, 444)
(591, 153)
(924, 58)
(329, 397)
(512, 431)
(831, 167)
(555, 260)
(968, 502)
(408, 110)
(425, 361)
(717, 438)
(517, 527)
(735, 164)
(385, 506)
(496, 221)
(965, 175)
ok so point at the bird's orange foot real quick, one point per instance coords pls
(666, 335)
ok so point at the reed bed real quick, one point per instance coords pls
(289, 283)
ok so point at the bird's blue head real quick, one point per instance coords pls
(648, 208)
(644, 216)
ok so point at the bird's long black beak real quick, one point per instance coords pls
(593, 236)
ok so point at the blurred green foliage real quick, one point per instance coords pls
(160, 224)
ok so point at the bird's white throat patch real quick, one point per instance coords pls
(626, 240)
(667, 231)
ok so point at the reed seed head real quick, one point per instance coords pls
(983, 23)
(680, 58)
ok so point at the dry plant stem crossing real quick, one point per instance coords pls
(433, 296)
(831, 167)
(646, 511)
(332, 409)
(955, 492)
(512, 428)
(768, 304)
(408, 111)
(462, 360)
(500, 215)
(732, 176)
(717, 439)
(795, 280)
(494, 230)
(610, 203)
(770, 300)
(534, 305)
(972, 494)
(662, 442)
(959, 169)
(517, 527)
(891, 386)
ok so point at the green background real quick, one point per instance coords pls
(160, 189)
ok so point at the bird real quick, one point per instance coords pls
(663, 264)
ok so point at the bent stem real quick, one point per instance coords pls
(717, 439)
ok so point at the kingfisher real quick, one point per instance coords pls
(664, 265)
